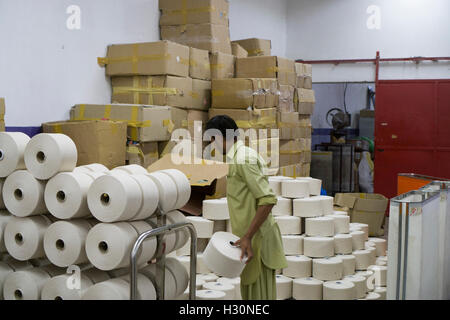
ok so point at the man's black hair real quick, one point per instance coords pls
(222, 123)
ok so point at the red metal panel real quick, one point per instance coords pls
(412, 131)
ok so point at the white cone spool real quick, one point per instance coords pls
(363, 259)
(307, 207)
(318, 247)
(373, 255)
(152, 271)
(183, 235)
(12, 149)
(47, 154)
(294, 189)
(57, 289)
(201, 267)
(289, 225)
(382, 292)
(358, 240)
(372, 296)
(23, 194)
(339, 290)
(237, 285)
(315, 185)
(150, 197)
(341, 223)
(5, 269)
(114, 289)
(183, 186)
(115, 197)
(210, 277)
(5, 217)
(222, 257)
(132, 169)
(227, 288)
(24, 237)
(319, 227)
(380, 273)
(363, 227)
(66, 195)
(327, 204)
(275, 184)
(293, 244)
(343, 244)
(340, 213)
(168, 192)
(283, 207)
(307, 289)
(328, 269)
(25, 285)
(360, 285)
(145, 288)
(380, 246)
(210, 295)
(180, 274)
(298, 267)
(64, 242)
(284, 287)
(216, 209)
(94, 167)
(204, 227)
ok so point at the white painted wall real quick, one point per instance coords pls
(332, 29)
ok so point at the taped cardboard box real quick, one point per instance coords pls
(256, 47)
(201, 95)
(2, 114)
(199, 65)
(365, 208)
(304, 75)
(222, 66)
(153, 90)
(194, 147)
(286, 99)
(268, 149)
(176, 12)
(295, 170)
(97, 141)
(211, 37)
(244, 93)
(238, 51)
(195, 123)
(305, 100)
(145, 123)
(290, 152)
(147, 59)
(267, 67)
(247, 119)
(143, 153)
(289, 125)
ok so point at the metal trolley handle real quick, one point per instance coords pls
(159, 232)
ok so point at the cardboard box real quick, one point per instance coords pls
(222, 66)
(2, 114)
(256, 47)
(268, 149)
(207, 178)
(365, 208)
(244, 93)
(286, 98)
(304, 75)
(201, 95)
(97, 141)
(194, 116)
(289, 125)
(153, 90)
(176, 12)
(199, 65)
(290, 152)
(238, 51)
(246, 119)
(211, 37)
(305, 100)
(195, 147)
(295, 171)
(145, 123)
(267, 67)
(147, 59)
(143, 154)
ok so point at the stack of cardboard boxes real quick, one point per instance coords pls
(2, 114)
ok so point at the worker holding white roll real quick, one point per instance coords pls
(250, 202)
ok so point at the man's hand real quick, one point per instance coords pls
(246, 246)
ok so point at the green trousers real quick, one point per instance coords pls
(264, 288)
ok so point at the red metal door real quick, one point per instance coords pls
(412, 131)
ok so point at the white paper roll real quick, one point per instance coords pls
(180, 274)
(284, 287)
(183, 235)
(12, 149)
(294, 189)
(24, 195)
(343, 244)
(339, 290)
(236, 282)
(349, 264)
(114, 197)
(315, 185)
(25, 285)
(168, 192)
(341, 223)
(372, 296)
(328, 269)
(363, 227)
(204, 227)
(183, 186)
(225, 287)
(289, 225)
(363, 259)
(5, 217)
(145, 287)
(308, 207)
(64, 242)
(114, 289)
(382, 292)
(5, 269)
(24, 237)
(216, 209)
(210, 295)
(47, 154)
(293, 244)
(327, 204)
(360, 285)
(380, 273)
(380, 246)
(307, 289)
(318, 247)
(319, 227)
(298, 267)
(66, 195)
(94, 167)
(150, 197)
(275, 184)
(358, 239)
(283, 207)
(132, 169)
(57, 288)
(210, 277)
(222, 257)
(373, 255)
(149, 246)
(364, 273)
(152, 271)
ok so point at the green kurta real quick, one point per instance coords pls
(247, 189)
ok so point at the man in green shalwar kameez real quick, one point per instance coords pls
(250, 202)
